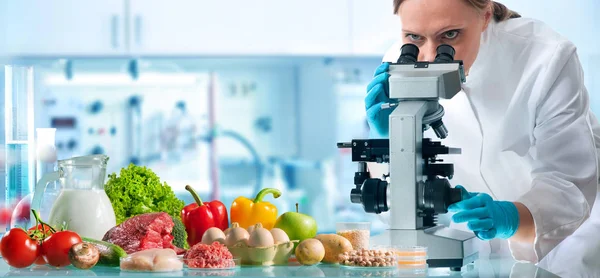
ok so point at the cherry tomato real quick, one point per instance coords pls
(42, 227)
(55, 248)
(39, 232)
(18, 249)
(40, 260)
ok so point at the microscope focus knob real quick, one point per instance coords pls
(454, 196)
(356, 196)
(437, 196)
(374, 196)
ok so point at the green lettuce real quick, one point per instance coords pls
(138, 190)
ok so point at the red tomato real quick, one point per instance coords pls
(40, 260)
(18, 249)
(55, 248)
(38, 232)
(46, 228)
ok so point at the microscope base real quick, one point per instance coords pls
(445, 247)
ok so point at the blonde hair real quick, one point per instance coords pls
(501, 12)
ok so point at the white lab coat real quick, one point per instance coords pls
(526, 132)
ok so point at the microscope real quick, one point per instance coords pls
(416, 190)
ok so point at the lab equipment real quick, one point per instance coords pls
(273, 178)
(417, 188)
(487, 218)
(123, 116)
(178, 135)
(258, 164)
(82, 203)
(46, 163)
(19, 136)
(358, 233)
(368, 259)
(45, 151)
(412, 260)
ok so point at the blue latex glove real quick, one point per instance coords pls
(487, 218)
(377, 94)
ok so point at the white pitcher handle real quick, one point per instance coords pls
(40, 188)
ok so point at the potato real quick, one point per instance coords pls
(310, 251)
(335, 245)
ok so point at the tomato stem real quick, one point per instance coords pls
(39, 220)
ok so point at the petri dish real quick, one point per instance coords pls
(412, 259)
(412, 270)
(410, 251)
(369, 259)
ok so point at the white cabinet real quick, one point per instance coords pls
(65, 28)
(62, 27)
(374, 26)
(258, 27)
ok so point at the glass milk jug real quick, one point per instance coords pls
(81, 205)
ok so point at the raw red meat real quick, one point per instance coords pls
(215, 255)
(179, 251)
(146, 231)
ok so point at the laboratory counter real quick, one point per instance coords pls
(492, 267)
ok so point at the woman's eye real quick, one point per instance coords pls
(414, 37)
(451, 34)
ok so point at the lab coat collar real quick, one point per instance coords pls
(486, 42)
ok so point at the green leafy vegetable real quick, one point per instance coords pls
(138, 190)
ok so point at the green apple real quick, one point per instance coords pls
(297, 226)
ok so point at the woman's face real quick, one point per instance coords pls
(429, 23)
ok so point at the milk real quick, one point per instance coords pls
(88, 212)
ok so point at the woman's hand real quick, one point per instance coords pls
(377, 95)
(487, 218)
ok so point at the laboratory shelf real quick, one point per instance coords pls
(481, 268)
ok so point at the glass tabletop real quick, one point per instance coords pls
(481, 268)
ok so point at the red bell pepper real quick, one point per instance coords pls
(200, 216)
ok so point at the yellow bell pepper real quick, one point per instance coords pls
(248, 212)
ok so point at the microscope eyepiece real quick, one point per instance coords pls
(409, 53)
(445, 54)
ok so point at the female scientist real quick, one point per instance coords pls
(529, 142)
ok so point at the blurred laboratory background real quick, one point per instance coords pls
(228, 96)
